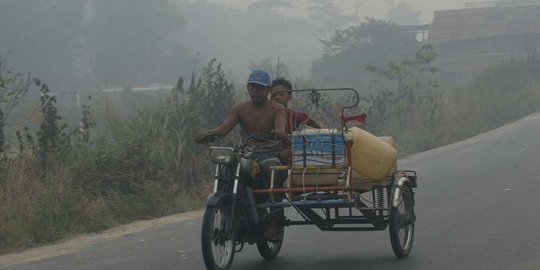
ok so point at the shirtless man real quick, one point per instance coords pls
(256, 116)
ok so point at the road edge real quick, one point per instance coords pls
(80, 242)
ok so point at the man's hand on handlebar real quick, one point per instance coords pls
(204, 137)
(262, 137)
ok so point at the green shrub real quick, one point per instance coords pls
(423, 112)
(62, 182)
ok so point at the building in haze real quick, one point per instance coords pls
(502, 3)
(485, 33)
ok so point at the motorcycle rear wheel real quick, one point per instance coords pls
(269, 249)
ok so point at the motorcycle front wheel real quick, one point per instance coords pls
(217, 244)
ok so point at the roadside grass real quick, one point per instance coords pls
(42, 207)
(141, 165)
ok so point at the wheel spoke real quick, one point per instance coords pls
(402, 224)
(222, 244)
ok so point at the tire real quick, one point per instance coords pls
(401, 221)
(269, 249)
(217, 247)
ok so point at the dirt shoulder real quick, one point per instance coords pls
(84, 241)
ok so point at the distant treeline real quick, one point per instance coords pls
(79, 45)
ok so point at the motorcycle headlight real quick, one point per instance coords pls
(221, 155)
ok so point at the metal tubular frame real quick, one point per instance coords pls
(342, 197)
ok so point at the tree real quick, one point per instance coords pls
(403, 14)
(348, 53)
(326, 16)
(408, 70)
(216, 93)
(40, 37)
(269, 5)
(405, 85)
(134, 42)
(74, 43)
(206, 104)
(13, 88)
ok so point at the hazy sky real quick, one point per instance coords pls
(371, 8)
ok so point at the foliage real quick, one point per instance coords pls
(262, 6)
(13, 88)
(422, 112)
(40, 201)
(211, 91)
(70, 43)
(152, 160)
(40, 36)
(406, 102)
(52, 138)
(501, 93)
(238, 37)
(372, 43)
(133, 41)
(405, 74)
(326, 16)
(63, 182)
(402, 14)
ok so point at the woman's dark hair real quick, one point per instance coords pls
(283, 82)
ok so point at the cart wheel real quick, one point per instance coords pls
(402, 220)
(217, 246)
(269, 248)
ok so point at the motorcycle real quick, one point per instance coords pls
(320, 185)
(231, 218)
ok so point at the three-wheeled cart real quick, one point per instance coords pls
(326, 191)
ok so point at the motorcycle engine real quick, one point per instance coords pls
(249, 168)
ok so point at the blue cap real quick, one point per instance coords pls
(260, 77)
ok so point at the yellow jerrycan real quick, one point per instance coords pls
(371, 156)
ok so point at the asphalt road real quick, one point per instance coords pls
(477, 207)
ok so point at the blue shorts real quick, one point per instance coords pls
(263, 158)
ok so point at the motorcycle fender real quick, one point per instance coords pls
(397, 194)
(214, 198)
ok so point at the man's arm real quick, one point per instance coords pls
(312, 123)
(222, 130)
(302, 117)
(280, 120)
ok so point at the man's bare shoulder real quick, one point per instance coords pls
(240, 106)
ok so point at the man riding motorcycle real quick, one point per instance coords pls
(259, 115)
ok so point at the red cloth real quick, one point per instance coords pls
(296, 118)
(360, 118)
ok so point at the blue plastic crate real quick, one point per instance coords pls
(323, 147)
